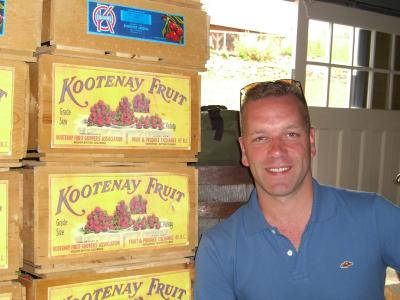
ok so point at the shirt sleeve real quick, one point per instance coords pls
(388, 223)
(213, 278)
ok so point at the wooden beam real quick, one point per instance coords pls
(224, 175)
(219, 210)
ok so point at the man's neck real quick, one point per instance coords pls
(290, 214)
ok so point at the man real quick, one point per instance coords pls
(294, 239)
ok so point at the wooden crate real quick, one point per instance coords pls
(392, 292)
(33, 110)
(14, 95)
(68, 89)
(10, 224)
(63, 202)
(168, 282)
(222, 190)
(12, 290)
(20, 28)
(185, 3)
(129, 28)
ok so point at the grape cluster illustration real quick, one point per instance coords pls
(98, 221)
(122, 218)
(133, 216)
(124, 115)
(138, 205)
(102, 115)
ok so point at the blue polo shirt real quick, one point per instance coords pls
(349, 241)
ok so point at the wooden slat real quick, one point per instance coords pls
(220, 210)
(99, 55)
(72, 268)
(28, 232)
(7, 164)
(392, 292)
(224, 175)
(186, 3)
(33, 108)
(222, 190)
(17, 55)
(225, 193)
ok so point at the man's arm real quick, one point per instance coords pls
(388, 224)
(214, 277)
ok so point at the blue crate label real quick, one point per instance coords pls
(2, 16)
(134, 23)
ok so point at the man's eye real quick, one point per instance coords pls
(260, 138)
(293, 134)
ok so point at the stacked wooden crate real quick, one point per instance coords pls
(167, 282)
(81, 216)
(392, 292)
(20, 23)
(11, 290)
(110, 205)
(10, 234)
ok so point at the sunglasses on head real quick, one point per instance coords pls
(286, 82)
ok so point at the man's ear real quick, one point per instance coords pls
(245, 161)
(313, 149)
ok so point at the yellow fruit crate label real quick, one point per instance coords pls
(165, 285)
(6, 109)
(114, 211)
(109, 108)
(3, 224)
(6, 296)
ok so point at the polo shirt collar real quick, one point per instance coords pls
(324, 203)
(323, 208)
(254, 220)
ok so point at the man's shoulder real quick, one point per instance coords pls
(352, 199)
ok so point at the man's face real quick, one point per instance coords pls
(276, 146)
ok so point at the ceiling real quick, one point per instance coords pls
(388, 7)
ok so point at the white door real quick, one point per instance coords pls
(358, 149)
(350, 58)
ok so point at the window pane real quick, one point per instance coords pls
(231, 38)
(316, 85)
(397, 54)
(362, 44)
(339, 89)
(379, 91)
(382, 50)
(359, 89)
(216, 40)
(318, 41)
(396, 93)
(342, 44)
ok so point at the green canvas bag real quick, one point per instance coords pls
(219, 136)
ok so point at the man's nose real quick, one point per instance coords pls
(277, 147)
